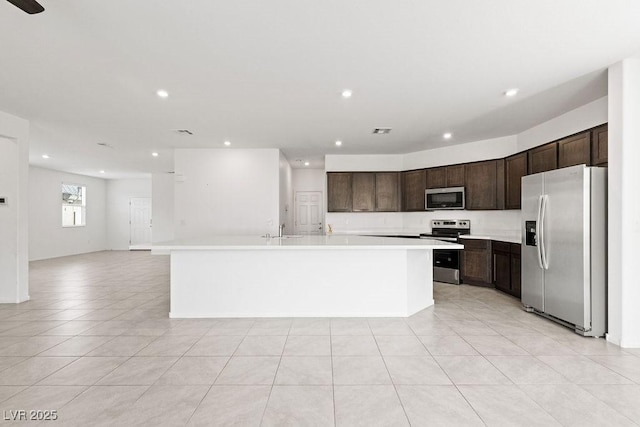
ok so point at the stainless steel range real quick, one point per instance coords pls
(446, 262)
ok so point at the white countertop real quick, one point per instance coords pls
(510, 238)
(301, 242)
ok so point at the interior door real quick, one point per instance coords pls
(308, 212)
(566, 245)
(140, 223)
(532, 272)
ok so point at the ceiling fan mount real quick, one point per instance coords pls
(30, 6)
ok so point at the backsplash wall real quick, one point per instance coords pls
(505, 223)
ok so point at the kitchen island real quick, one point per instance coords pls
(301, 276)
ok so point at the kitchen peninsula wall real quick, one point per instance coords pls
(227, 192)
(495, 223)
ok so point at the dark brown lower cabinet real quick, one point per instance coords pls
(476, 262)
(506, 267)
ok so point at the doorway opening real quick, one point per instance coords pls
(140, 223)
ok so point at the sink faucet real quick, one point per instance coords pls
(281, 230)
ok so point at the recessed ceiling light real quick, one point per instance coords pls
(45, 156)
(227, 143)
(101, 171)
(447, 135)
(306, 163)
(154, 154)
(511, 92)
(338, 143)
(162, 93)
(347, 93)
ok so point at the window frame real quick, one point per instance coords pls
(83, 206)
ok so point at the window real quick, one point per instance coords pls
(74, 205)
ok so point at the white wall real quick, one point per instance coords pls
(226, 191)
(587, 116)
(286, 194)
(14, 181)
(162, 201)
(119, 191)
(623, 203)
(47, 237)
(308, 180)
(371, 162)
(487, 149)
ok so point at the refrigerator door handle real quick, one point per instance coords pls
(538, 233)
(542, 241)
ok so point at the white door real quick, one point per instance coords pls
(308, 212)
(140, 223)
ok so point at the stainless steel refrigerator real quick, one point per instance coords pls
(564, 247)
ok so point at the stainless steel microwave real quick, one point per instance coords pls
(444, 198)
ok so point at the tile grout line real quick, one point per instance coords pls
(395, 389)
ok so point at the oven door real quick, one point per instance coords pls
(446, 258)
(446, 265)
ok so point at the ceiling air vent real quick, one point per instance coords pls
(381, 131)
(184, 131)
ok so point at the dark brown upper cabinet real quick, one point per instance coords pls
(387, 191)
(600, 145)
(364, 191)
(484, 185)
(574, 150)
(515, 169)
(437, 177)
(543, 158)
(445, 176)
(413, 185)
(339, 190)
(455, 176)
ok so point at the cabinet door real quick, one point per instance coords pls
(515, 270)
(575, 150)
(339, 191)
(476, 262)
(480, 185)
(387, 192)
(515, 169)
(455, 176)
(600, 145)
(413, 186)
(364, 191)
(502, 270)
(543, 158)
(437, 177)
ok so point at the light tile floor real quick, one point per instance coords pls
(95, 344)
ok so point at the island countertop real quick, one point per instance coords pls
(301, 242)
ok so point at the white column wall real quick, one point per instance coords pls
(226, 192)
(286, 194)
(162, 207)
(624, 203)
(119, 191)
(14, 221)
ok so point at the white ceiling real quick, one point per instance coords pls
(270, 73)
